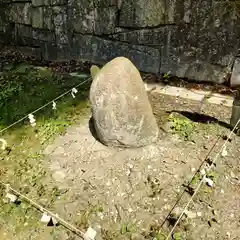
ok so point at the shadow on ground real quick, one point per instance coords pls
(202, 118)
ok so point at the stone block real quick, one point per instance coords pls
(42, 17)
(150, 37)
(60, 24)
(30, 51)
(179, 48)
(3, 25)
(90, 17)
(37, 34)
(181, 12)
(38, 3)
(170, 10)
(49, 51)
(100, 51)
(218, 39)
(235, 78)
(81, 14)
(142, 13)
(58, 2)
(105, 20)
(45, 36)
(20, 13)
(105, 3)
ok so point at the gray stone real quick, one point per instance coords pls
(100, 51)
(170, 14)
(150, 37)
(42, 18)
(37, 3)
(81, 13)
(235, 78)
(142, 13)
(3, 25)
(20, 13)
(97, 17)
(58, 2)
(60, 24)
(215, 44)
(122, 114)
(37, 34)
(105, 3)
(105, 20)
(30, 51)
(179, 48)
(189, 38)
(49, 51)
(203, 71)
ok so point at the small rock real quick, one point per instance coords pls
(191, 214)
(54, 220)
(199, 214)
(90, 234)
(130, 210)
(209, 182)
(203, 172)
(45, 218)
(232, 175)
(224, 152)
(12, 198)
(130, 166)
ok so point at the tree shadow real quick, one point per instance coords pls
(202, 118)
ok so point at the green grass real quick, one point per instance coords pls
(182, 126)
(24, 89)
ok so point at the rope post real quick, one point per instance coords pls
(235, 112)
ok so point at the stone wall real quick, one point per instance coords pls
(197, 39)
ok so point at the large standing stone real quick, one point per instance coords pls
(122, 114)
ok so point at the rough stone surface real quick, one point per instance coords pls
(42, 18)
(189, 38)
(122, 114)
(101, 51)
(142, 13)
(20, 13)
(235, 78)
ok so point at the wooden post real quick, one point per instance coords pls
(235, 112)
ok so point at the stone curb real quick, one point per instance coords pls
(196, 95)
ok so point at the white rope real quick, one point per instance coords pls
(36, 205)
(18, 121)
(203, 179)
(64, 223)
